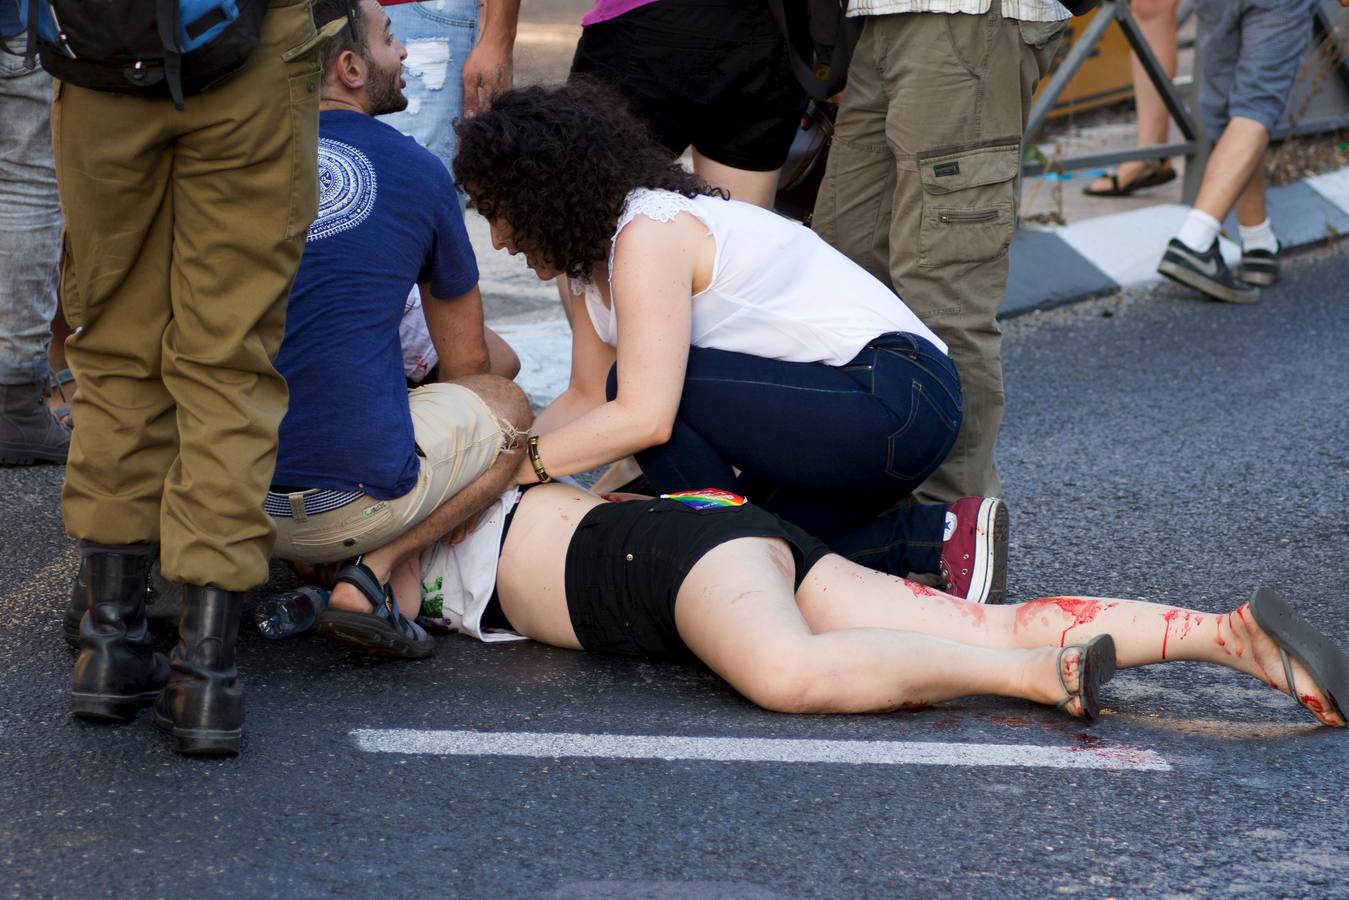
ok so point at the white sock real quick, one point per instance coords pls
(1258, 237)
(1198, 231)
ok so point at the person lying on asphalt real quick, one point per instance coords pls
(795, 628)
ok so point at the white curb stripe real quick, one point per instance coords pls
(1096, 755)
(1334, 186)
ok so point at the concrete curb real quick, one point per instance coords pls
(1057, 265)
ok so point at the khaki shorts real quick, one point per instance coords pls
(458, 439)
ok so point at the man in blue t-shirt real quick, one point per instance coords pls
(365, 468)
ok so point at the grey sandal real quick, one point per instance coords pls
(383, 632)
(1096, 667)
(1296, 638)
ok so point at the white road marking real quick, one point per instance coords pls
(1093, 755)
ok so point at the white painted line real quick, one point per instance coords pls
(1334, 186)
(1095, 755)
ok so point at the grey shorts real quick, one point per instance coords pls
(1251, 51)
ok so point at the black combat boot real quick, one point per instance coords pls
(79, 604)
(202, 707)
(118, 670)
(29, 431)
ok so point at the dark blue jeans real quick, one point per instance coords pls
(828, 448)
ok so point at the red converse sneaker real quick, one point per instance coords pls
(974, 552)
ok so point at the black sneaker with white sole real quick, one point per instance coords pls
(1205, 272)
(1260, 267)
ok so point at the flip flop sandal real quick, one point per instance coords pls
(384, 632)
(1097, 666)
(1297, 638)
(1151, 176)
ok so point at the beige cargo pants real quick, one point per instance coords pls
(183, 233)
(921, 190)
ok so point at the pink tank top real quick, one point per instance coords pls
(610, 9)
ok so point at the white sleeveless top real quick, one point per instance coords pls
(778, 291)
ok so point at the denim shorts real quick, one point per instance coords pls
(438, 34)
(1252, 50)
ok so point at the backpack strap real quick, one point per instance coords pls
(30, 49)
(846, 32)
(168, 13)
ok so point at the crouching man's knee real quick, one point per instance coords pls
(507, 402)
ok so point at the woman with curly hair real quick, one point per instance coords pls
(725, 346)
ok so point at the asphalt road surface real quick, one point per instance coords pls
(1155, 446)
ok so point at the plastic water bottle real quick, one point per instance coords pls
(291, 612)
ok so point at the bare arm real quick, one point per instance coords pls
(456, 327)
(489, 68)
(652, 290)
(473, 499)
(591, 360)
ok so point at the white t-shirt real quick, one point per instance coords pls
(457, 580)
(419, 354)
(778, 291)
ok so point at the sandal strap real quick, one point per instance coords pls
(359, 576)
(1082, 649)
(1288, 673)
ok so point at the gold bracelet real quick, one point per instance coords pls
(539, 471)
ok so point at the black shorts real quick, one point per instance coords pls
(626, 562)
(713, 74)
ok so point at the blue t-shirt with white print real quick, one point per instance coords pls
(388, 218)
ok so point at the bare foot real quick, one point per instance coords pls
(348, 599)
(1250, 650)
(1045, 686)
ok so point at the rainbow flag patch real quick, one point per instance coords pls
(707, 498)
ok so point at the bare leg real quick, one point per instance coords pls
(1157, 20)
(736, 612)
(838, 594)
(406, 583)
(1236, 156)
(759, 188)
(501, 358)
(1251, 201)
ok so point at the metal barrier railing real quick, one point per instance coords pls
(1114, 11)
(1196, 144)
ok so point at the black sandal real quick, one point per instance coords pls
(1153, 174)
(384, 632)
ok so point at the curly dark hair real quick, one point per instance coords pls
(557, 163)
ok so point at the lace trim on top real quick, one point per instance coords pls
(661, 206)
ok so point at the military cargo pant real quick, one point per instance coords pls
(184, 229)
(921, 190)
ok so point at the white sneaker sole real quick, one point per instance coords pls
(988, 579)
(1207, 286)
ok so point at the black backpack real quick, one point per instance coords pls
(161, 48)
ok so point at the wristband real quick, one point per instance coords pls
(539, 471)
